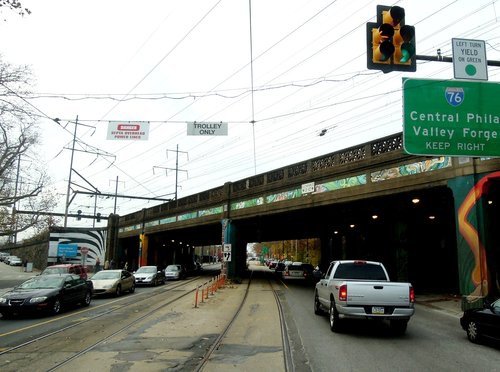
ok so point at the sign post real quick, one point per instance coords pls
(451, 118)
(227, 252)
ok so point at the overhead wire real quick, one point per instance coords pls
(325, 107)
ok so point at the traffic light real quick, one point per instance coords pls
(79, 215)
(98, 217)
(390, 44)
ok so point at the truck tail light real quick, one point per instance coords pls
(343, 292)
(412, 295)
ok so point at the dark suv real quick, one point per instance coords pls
(67, 269)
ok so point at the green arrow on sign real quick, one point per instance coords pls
(451, 118)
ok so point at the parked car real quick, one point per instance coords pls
(149, 275)
(113, 282)
(77, 269)
(298, 271)
(193, 268)
(46, 293)
(175, 272)
(483, 322)
(15, 261)
(10, 257)
(3, 256)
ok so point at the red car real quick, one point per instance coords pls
(80, 270)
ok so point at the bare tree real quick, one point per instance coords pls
(22, 177)
(14, 5)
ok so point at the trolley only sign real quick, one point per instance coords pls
(454, 118)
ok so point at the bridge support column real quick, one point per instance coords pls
(229, 237)
(474, 251)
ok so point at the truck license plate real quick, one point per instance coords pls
(377, 310)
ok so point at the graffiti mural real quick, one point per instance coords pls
(472, 252)
(67, 245)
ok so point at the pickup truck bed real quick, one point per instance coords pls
(362, 290)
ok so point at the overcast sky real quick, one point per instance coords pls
(177, 61)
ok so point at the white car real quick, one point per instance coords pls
(15, 261)
(113, 282)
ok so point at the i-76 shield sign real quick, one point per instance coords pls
(451, 117)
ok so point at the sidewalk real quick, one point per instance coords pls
(450, 304)
(9, 274)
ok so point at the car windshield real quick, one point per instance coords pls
(103, 275)
(43, 282)
(55, 270)
(172, 268)
(147, 270)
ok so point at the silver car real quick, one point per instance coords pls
(174, 272)
(149, 275)
(113, 282)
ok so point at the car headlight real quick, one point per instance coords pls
(36, 300)
(3, 300)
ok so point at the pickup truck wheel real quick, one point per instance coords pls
(317, 306)
(398, 327)
(334, 318)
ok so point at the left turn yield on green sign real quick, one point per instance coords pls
(451, 117)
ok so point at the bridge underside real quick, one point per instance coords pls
(416, 241)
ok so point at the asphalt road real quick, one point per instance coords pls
(434, 341)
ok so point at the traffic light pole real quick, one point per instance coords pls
(440, 58)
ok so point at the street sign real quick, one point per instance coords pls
(469, 59)
(67, 250)
(206, 129)
(226, 252)
(130, 131)
(451, 118)
(84, 250)
(307, 188)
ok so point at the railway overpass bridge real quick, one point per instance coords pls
(432, 220)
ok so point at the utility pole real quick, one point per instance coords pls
(89, 150)
(176, 169)
(70, 173)
(15, 197)
(116, 193)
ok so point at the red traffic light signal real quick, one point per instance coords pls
(390, 43)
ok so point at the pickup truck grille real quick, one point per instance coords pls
(388, 310)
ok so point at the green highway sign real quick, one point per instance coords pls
(451, 117)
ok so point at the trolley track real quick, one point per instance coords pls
(107, 330)
(118, 333)
(287, 360)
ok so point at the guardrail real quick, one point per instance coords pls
(209, 287)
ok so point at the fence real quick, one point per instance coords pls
(209, 288)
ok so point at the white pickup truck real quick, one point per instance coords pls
(362, 290)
